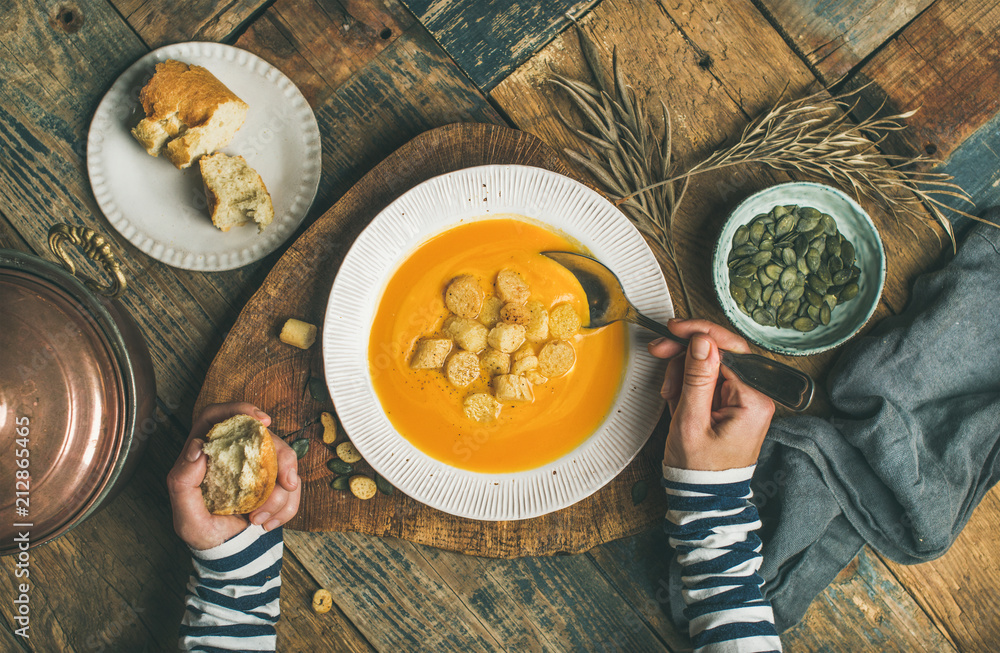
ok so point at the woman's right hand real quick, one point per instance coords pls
(716, 422)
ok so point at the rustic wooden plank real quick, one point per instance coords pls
(959, 589)
(320, 44)
(864, 609)
(404, 596)
(160, 23)
(490, 39)
(834, 37)
(946, 63)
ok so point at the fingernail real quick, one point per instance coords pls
(656, 342)
(293, 479)
(271, 525)
(700, 348)
(261, 517)
(194, 451)
(259, 414)
(665, 390)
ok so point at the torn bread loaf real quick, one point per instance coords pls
(236, 193)
(189, 113)
(242, 466)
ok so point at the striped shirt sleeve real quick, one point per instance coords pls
(712, 526)
(232, 598)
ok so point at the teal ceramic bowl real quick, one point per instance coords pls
(854, 224)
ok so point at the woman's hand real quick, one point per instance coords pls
(194, 524)
(717, 423)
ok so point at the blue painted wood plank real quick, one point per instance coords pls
(490, 39)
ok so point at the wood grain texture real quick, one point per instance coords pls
(864, 609)
(834, 37)
(275, 376)
(406, 597)
(160, 23)
(946, 63)
(320, 44)
(490, 39)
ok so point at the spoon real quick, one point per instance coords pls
(607, 301)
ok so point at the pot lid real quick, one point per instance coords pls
(62, 399)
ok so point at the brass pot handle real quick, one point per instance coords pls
(95, 247)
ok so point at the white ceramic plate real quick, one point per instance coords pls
(488, 192)
(162, 210)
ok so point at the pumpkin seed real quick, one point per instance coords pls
(847, 253)
(804, 324)
(745, 250)
(740, 282)
(812, 298)
(834, 245)
(756, 232)
(741, 236)
(762, 317)
(812, 259)
(766, 244)
(829, 225)
(383, 485)
(807, 223)
(773, 271)
(785, 224)
(766, 293)
(746, 271)
(817, 284)
(778, 212)
(787, 311)
(810, 212)
(830, 300)
(338, 466)
(788, 278)
(795, 293)
(639, 491)
(300, 447)
(788, 256)
(341, 483)
(760, 258)
(777, 297)
(850, 292)
(824, 274)
(802, 265)
(737, 293)
(824, 314)
(754, 290)
(835, 264)
(801, 245)
(841, 277)
(813, 313)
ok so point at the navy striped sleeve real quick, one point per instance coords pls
(232, 600)
(711, 524)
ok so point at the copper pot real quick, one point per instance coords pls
(76, 389)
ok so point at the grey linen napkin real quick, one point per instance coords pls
(913, 446)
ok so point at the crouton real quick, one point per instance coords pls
(537, 328)
(556, 358)
(462, 368)
(468, 334)
(464, 296)
(490, 313)
(506, 337)
(494, 362)
(430, 353)
(564, 322)
(298, 333)
(347, 452)
(512, 313)
(522, 365)
(527, 349)
(481, 407)
(362, 487)
(535, 377)
(511, 287)
(512, 388)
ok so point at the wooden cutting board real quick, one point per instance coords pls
(253, 365)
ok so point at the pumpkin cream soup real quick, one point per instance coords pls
(477, 355)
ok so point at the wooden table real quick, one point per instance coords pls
(378, 73)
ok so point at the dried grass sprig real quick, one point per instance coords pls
(814, 136)
(626, 152)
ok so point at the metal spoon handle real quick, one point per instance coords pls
(786, 385)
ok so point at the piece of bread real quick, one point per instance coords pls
(189, 113)
(506, 337)
(510, 388)
(511, 286)
(490, 313)
(462, 368)
(481, 407)
(537, 328)
(494, 362)
(556, 358)
(236, 193)
(242, 466)
(469, 334)
(431, 353)
(464, 296)
(564, 322)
